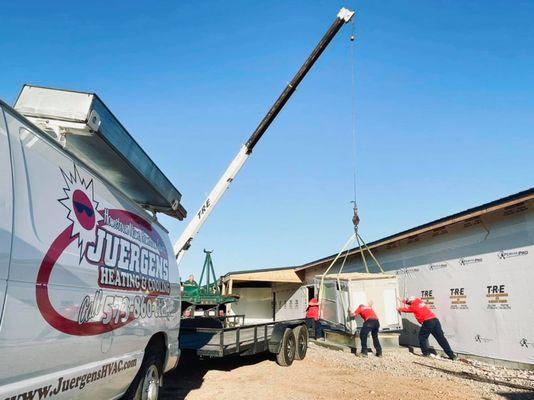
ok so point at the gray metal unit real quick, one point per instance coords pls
(87, 128)
(348, 290)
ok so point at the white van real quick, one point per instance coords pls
(89, 286)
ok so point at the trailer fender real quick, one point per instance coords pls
(275, 340)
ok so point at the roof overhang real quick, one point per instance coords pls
(275, 276)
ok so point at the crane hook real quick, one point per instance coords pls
(355, 217)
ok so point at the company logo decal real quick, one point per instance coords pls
(472, 222)
(428, 298)
(503, 255)
(471, 260)
(515, 209)
(481, 339)
(525, 343)
(127, 252)
(458, 299)
(436, 266)
(497, 297)
(439, 231)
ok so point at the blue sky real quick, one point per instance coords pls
(445, 108)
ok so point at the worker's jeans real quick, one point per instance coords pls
(433, 326)
(370, 326)
(315, 327)
(318, 330)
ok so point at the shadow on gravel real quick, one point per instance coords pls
(478, 378)
(189, 375)
(517, 396)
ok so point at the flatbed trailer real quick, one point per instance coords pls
(224, 336)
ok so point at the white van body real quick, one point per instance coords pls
(87, 277)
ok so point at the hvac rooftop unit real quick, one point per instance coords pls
(348, 290)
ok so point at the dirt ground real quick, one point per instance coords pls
(328, 374)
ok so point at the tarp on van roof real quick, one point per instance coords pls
(95, 136)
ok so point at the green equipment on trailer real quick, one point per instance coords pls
(205, 295)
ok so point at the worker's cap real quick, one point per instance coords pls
(410, 299)
(313, 302)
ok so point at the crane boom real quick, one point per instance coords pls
(184, 242)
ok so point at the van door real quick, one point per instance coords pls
(39, 218)
(6, 209)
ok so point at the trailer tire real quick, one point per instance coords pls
(286, 355)
(147, 382)
(301, 337)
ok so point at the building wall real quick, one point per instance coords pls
(255, 303)
(291, 301)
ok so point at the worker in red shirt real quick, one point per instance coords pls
(429, 325)
(370, 325)
(312, 314)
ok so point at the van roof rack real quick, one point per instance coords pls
(86, 127)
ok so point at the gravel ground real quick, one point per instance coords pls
(489, 381)
(328, 374)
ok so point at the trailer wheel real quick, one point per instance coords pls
(145, 385)
(301, 337)
(286, 355)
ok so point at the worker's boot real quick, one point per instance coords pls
(363, 353)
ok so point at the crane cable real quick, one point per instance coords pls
(355, 237)
(356, 218)
(353, 106)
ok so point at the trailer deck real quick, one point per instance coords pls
(220, 337)
(220, 342)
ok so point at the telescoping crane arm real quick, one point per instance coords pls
(184, 242)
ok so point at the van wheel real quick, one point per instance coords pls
(301, 337)
(145, 385)
(286, 355)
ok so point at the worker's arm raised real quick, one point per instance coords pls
(405, 309)
(358, 311)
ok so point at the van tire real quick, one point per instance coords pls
(286, 355)
(301, 337)
(146, 383)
